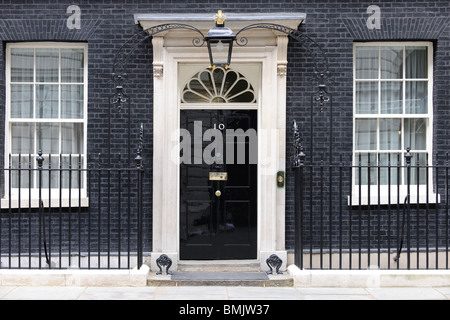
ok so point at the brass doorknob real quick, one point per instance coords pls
(218, 193)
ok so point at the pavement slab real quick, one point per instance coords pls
(445, 291)
(44, 293)
(334, 294)
(264, 293)
(190, 293)
(406, 294)
(118, 293)
(5, 291)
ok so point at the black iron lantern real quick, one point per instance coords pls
(220, 43)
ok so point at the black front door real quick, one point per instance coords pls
(218, 185)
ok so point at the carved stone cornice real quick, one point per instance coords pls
(235, 21)
(282, 45)
(158, 64)
(158, 70)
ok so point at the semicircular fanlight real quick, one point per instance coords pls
(218, 86)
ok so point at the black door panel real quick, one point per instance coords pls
(218, 212)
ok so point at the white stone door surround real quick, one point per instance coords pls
(265, 47)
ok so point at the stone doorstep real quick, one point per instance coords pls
(217, 266)
(230, 279)
(220, 273)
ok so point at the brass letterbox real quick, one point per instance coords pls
(218, 176)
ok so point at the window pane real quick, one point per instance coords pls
(53, 179)
(366, 134)
(367, 63)
(46, 101)
(205, 78)
(24, 175)
(390, 166)
(218, 78)
(416, 97)
(390, 134)
(74, 176)
(366, 168)
(72, 65)
(366, 97)
(416, 134)
(48, 137)
(416, 62)
(391, 98)
(22, 65)
(196, 86)
(189, 96)
(418, 169)
(72, 102)
(392, 62)
(72, 137)
(22, 138)
(241, 92)
(22, 101)
(47, 65)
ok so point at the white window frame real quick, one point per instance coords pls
(360, 193)
(54, 194)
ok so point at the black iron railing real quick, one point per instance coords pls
(372, 211)
(60, 212)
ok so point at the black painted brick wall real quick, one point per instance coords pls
(335, 25)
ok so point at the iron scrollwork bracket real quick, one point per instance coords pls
(299, 154)
(124, 53)
(274, 262)
(321, 69)
(140, 149)
(322, 96)
(119, 72)
(164, 261)
(119, 99)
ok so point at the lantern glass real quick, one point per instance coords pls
(220, 52)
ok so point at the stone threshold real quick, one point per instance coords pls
(229, 279)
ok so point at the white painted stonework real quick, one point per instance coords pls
(268, 51)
